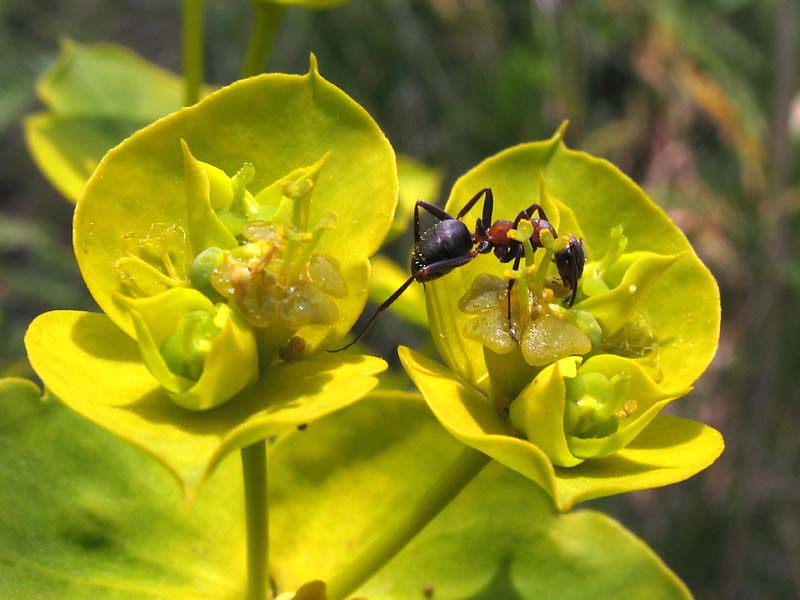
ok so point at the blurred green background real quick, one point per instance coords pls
(697, 101)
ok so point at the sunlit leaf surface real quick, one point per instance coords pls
(667, 451)
(87, 517)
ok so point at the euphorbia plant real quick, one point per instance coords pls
(223, 278)
(562, 393)
(228, 245)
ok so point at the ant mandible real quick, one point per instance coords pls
(449, 244)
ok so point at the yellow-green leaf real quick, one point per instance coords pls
(345, 480)
(417, 182)
(96, 96)
(667, 451)
(338, 484)
(97, 371)
(88, 517)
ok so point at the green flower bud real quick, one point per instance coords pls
(203, 267)
(574, 411)
(586, 322)
(593, 401)
(202, 354)
(185, 350)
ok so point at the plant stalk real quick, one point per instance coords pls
(254, 471)
(192, 50)
(397, 534)
(267, 18)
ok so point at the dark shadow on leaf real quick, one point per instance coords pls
(501, 585)
(96, 335)
(272, 396)
(318, 451)
(613, 466)
(666, 431)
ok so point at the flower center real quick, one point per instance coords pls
(530, 319)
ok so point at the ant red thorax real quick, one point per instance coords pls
(449, 244)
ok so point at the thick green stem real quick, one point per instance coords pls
(266, 20)
(254, 471)
(192, 50)
(397, 534)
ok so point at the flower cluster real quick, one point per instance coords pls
(605, 397)
(248, 277)
(560, 371)
(212, 242)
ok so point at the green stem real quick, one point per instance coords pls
(396, 534)
(266, 20)
(537, 285)
(192, 50)
(254, 471)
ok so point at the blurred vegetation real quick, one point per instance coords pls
(691, 99)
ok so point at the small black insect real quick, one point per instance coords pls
(449, 244)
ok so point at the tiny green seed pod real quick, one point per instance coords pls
(203, 266)
(185, 350)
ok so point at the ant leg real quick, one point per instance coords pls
(443, 266)
(432, 209)
(438, 268)
(488, 207)
(537, 208)
(528, 213)
(487, 217)
(379, 310)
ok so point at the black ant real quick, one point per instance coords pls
(449, 244)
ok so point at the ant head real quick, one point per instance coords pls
(569, 262)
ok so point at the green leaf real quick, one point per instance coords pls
(205, 227)
(617, 307)
(75, 497)
(88, 517)
(535, 413)
(276, 122)
(97, 371)
(107, 79)
(96, 96)
(348, 477)
(653, 459)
